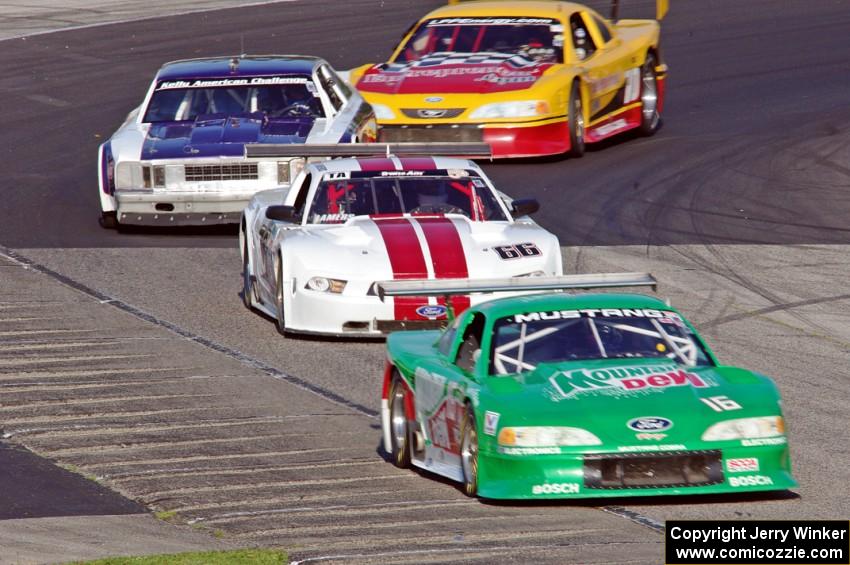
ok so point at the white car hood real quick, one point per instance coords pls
(420, 247)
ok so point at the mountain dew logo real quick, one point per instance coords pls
(623, 381)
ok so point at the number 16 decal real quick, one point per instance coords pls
(517, 251)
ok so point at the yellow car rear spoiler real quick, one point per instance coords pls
(661, 7)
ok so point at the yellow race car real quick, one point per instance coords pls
(529, 78)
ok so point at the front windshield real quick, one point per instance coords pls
(523, 341)
(276, 97)
(385, 193)
(537, 39)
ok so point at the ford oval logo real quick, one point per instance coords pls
(650, 424)
(434, 99)
(431, 311)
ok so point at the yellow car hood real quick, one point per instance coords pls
(454, 73)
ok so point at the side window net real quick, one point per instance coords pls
(582, 42)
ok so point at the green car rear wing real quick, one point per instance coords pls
(450, 287)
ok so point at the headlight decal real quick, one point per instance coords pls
(324, 284)
(546, 436)
(746, 428)
(383, 112)
(518, 109)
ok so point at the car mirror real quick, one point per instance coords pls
(524, 207)
(282, 213)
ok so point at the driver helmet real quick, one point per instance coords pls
(433, 193)
(295, 94)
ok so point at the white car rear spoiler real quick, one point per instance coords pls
(449, 287)
(457, 149)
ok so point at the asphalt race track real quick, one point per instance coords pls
(739, 206)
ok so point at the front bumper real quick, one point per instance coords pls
(550, 137)
(576, 475)
(185, 208)
(351, 315)
(355, 313)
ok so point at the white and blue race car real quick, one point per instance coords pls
(179, 158)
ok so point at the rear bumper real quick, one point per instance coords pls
(149, 208)
(506, 140)
(562, 476)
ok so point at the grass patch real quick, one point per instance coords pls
(77, 471)
(166, 515)
(234, 557)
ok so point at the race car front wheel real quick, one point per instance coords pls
(650, 118)
(399, 436)
(280, 322)
(247, 285)
(469, 452)
(109, 220)
(575, 115)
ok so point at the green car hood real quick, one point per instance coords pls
(604, 397)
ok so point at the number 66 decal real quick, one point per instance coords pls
(517, 251)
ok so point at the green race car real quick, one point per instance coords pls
(572, 396)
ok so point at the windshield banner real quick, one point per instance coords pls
(225, 82)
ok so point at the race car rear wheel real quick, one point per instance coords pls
(399, 433)
(247, 285)
(650, 117)
(469, 452)
(575, 115)
(280, 322)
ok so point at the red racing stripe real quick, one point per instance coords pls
(418, 163)
(373, 164)
(447, 254)
(406, 259)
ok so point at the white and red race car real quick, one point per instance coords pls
(312, 253)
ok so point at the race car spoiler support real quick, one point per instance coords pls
(450, 287)
(458, 149)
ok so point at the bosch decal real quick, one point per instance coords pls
(750, 481)
(555, 488)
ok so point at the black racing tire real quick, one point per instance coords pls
(280, 321)
(109, 220)
(469, 452)
(247, 285)
(575, 118)
(399, 428)
(650, 121)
